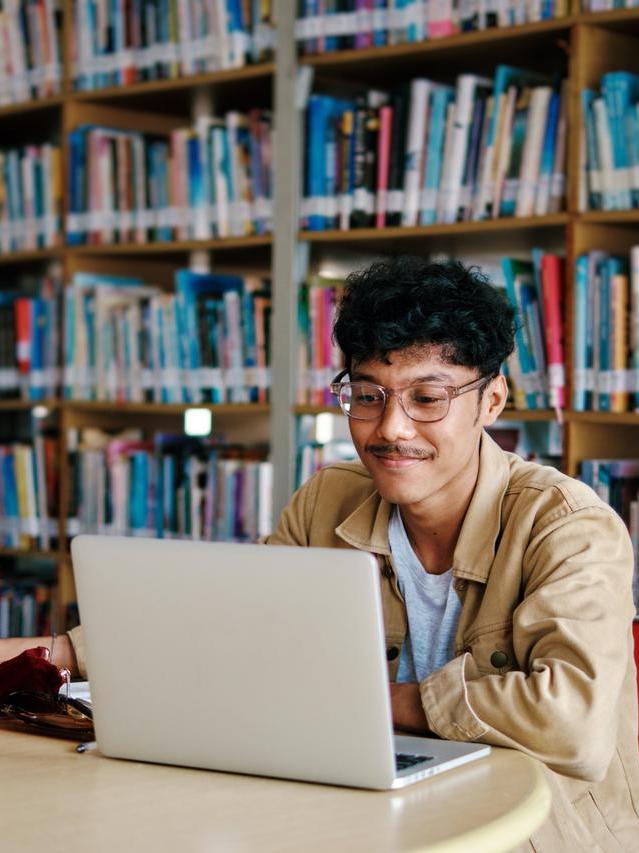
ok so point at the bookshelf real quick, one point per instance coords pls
(582, 45)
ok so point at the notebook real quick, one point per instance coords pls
(256, 659)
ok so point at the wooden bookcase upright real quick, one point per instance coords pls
(584, 46)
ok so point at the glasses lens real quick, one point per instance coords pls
(362, 400)
(425, 402)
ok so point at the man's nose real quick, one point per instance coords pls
(394, 423)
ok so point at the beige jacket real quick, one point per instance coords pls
(543, 659)
(543, 569)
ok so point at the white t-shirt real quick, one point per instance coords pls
(432, 606)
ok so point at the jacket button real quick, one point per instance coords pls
(460, 585)
(499, 659)
(392, 653)
(387, 572)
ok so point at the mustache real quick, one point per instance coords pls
(401, 450)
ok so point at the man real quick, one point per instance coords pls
(505, 584)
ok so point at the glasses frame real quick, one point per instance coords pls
(50, 714)
(452, 391)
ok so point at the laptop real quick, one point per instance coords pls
(258, 659)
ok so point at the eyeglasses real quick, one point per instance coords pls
(422, 401)
(50, 714)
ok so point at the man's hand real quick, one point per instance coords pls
(408, 712)
(63, 653)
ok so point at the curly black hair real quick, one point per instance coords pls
(406, 301)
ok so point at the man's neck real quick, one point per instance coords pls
(433, 529)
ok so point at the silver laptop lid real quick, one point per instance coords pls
(250, 658)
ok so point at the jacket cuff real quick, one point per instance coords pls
(445, 701)
(77, 641)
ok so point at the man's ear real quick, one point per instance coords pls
(494, 399)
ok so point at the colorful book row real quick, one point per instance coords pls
(428, 152)
(30, 342)
(211, 180)
(535, 371)
(610, 143)
(170, 486)
(606, 332)
(25, 608)
(30, 198)
(607, 5)
(28, 493)
(324, 26)
(30, 35)
(117, 44)
(207, 342)
(616, 481)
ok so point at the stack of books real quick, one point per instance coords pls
(170, 486)
(25, 608)
(427, 152)
(610, 143)
(332, 25)
(30, 37)
(116, 44)
(210, 180)
(209, 342)
(30, 341)
(606, 332)
(616, 481)
(30, 197)
(29, 493)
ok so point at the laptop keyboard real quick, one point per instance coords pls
(404, 760)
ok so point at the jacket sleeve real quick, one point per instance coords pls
(76, 636)
(571, 645)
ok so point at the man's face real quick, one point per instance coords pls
(411, 462)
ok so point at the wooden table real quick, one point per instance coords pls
(55, 800)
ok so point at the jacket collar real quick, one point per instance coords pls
(367, 527)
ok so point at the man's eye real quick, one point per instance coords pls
(366, 398)
(425, 398)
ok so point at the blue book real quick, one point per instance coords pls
(548, 155)
(608, 267)
(380, 34)
(165, 232)
(139, 490)
(580, 316)
(76, 181)
(508, 202)
(11, 494)
(38, 344)
(620, 89)
(440, 99)
(39, 191)
(632, 140)
(593, 159)
(318, 114)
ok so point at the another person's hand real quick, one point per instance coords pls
(63, 654)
